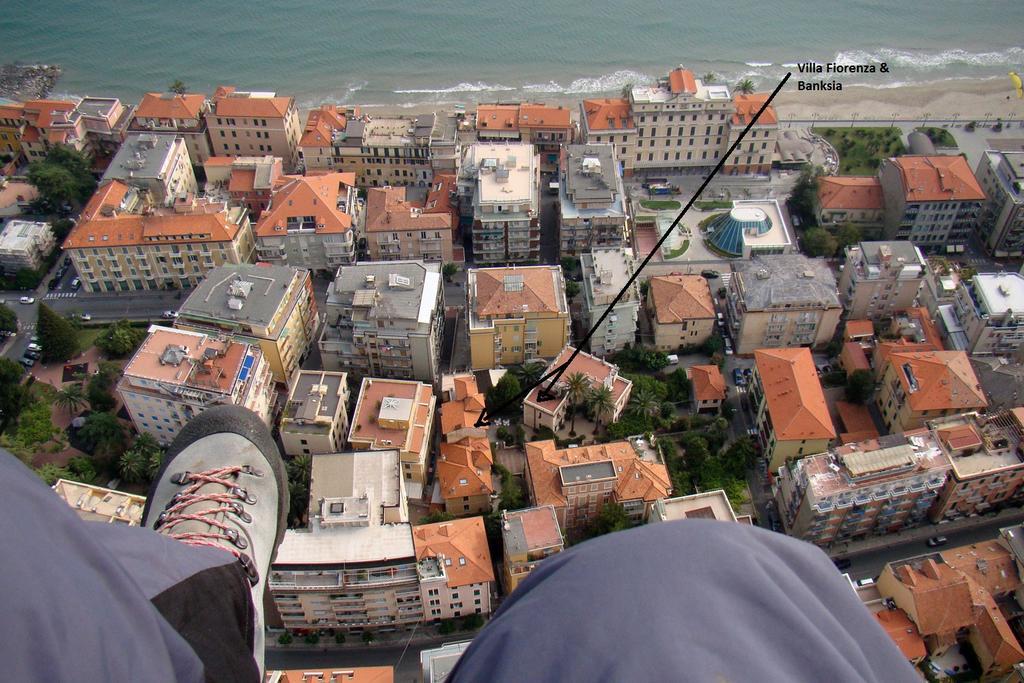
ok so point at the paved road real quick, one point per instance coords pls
(548, 224)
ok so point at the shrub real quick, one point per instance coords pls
(472, 622)
(339, 637)
(312, 638)
(368, 637)
(285, 638)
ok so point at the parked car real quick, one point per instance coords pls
(76, 283)
(866, 582)
(33, 346)
(738, 378)
(27, 299)
(170, 315)
(842, 562)
(53, 283)
(936, 541)
(85, 317)
(709, 274)
(66, 263)
(728, 346)
(34, 355)
(27, 362)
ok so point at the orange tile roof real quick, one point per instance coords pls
(944, 379)
(681, 297)
(242, 180)
(136, 229)
(960, 437)
(358, 674)
(465, 409)
(497, 117)
(937, 178)
(987, 563)
(159, 105)
(12, 111)
(464, 468)
(853, 357)
(41, 113)
(796, 402)
(537, 294)
(544, 116)
(637, 479)
(857, 423)
(321, 125)
(708, 383)
(365, 428)
(608, 114)
(296, 195)
(941, 596)
(439, 196)
(850, 192)
(464, 542)
(856, 329)
(227, 103)
(109, 194)
(747, 107)
(682, 80)
(387, 210)
(1004, 650)
(597, 370)
(903, 632)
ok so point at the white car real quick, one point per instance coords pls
(170, 315)
(27, 299)
(85, 316)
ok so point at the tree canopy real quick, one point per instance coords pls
(804, 195)
(63, 176)
(56, 335)
(859, 386)
(611, 517)
(8, 320)
(505, 390)
(120, 339)
(819, 242)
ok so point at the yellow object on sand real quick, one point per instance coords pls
(1017, 83)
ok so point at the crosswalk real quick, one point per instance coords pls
(725, 279)
(60, 295)
(27, 327)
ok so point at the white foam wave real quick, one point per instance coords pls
(605, 83)
(913, 59)
(757, 64)
(479, 86)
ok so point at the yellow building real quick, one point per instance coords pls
(924, 385)
(11, 127)
(315, 419)
(270, 306)
(528, 536)
(516, 315)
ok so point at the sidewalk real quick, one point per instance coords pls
(923, 533)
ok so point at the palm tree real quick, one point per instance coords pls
(601, 404)
(529, 374)
(577, 386)
(710, 77)
(71, 397)
(299, 470)
(746, 86)
(132, 465)
(177, 87)
(643, 403)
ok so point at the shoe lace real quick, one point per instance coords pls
(230, 502)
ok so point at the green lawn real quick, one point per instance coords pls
(87, 336)
(861, 150)
(660, 204)
(711, 206)
(678, 251)
(940, 137)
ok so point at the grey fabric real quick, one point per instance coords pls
(694, 600)
(72, 609)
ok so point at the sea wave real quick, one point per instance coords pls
(919, 59)
(605, 83)
(757, 64)
(479, 86)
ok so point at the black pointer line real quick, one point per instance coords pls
(556, 374)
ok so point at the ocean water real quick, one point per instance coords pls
(391, 52)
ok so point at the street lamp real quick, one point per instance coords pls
(988, 115)
(894, 115)
(853, 119)
(925, 121)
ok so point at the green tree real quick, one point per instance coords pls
(100, 388)
(8, 320)
(82, 469)
(12, 392)
(299, 476)
(714, 344)
(71, 397)
(504, 391)
(859, 386)
(610, 518)
(368, 637)
(26, 279)
(644, 403)
(61, 228)
(577, 386)
(56, 336)
(142, 461)
(472, 622)
(177, 86)
(512, 497)
(709, 77)
(804, 195)
(571, 289)
(601, 403)
(438, 516)
(63, 176)
(746, 86)
(529, 373)
(120, 339)
(33, 428)
(819, 242)
(847, 234)
(695, 449)
(449, 270)
(104, 434)
(132, 466)
(285, 638)
(678, 386)
(50, 473)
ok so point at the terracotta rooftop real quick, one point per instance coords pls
(853, 357)
(708, 383)
(532, 115)
(858, 329)
(227, 102)
(796, 402)
(439, 196)
(465, 409)
(497, 117)
(937, 178)
(107, 197)
(747, 107)
(463, 542)
(940, 594)
(988, 563)
(414, 410)
(597, 370)
(208, 362)
(358, 674)
(531, 529)
(681, 297)
(637, 479)
(608, 114)
(464, 468)
(850, 193)
(504, 292)
(162, 105)
(297, 196)
(856, 421)
(938, 380)
(136, 229)
(45, 113)
(903, 632)
(321, 124)
(387, 210)
(682, 80)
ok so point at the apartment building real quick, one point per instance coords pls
(986, 463)
(547, 128)
(610, 120)
(917, 386)
(358, 674)
(455, 570)
(157, 164)
(681, 311)
(184, 116)
(755, 154)
(48, 123)
(445, 144)
(1001, 221)
(592, 209)
(527, 536)
(394, 413)
(782, 301)
(397, 229)
(105, 122)
(253, 124)
(853, 200)
(987, 315)
(247, 181)
(25, 245)
(12, 127)
(933, 201)
(165, 248)
(315, 418)
(752, 227)
(516, 315)
(605, 273)
(867, 488)
(325, 128)
(500, 186)
(437, 663)
(354, 565)
(385, 320)
(177, 374)
(707, 505)
(910, 330)
(880, 278)
(578, 482)
(707, 387)
(792, 418)
(311, 222)
(268, 306)
(97, 504)
(599, 373)
(465, 482)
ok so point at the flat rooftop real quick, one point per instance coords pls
(316, 397)
(386, 291)
(404, 402)
(243, 293)
(574, 474)
(708, 505)
(605, 273)
(778, 237)
(142, 155)
(590, 173)
(504, 173)
(19, 235)
(778, 280)
(995, 440)
(998, 293)
(97, 504)
(190, 359)
(530, 529)
(389, 132)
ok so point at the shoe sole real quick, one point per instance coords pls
(245, 423)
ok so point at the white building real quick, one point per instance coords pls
(25, 244)
(880, 278)
(1001, 224)
(159, 164)
(591, 201)
(987, 315)
(605, 273)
